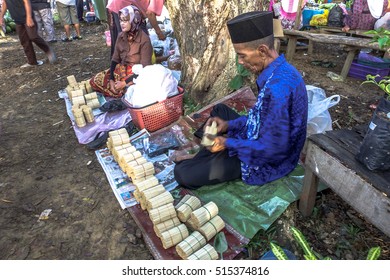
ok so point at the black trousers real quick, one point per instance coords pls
(80, 9)
(207, 168)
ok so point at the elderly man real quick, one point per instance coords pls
(264, 145)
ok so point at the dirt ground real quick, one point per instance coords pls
(42, 165)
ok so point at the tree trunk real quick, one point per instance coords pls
(208, 57)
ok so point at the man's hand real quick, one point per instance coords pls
(219, 144)
(222, 125)
(29, 21)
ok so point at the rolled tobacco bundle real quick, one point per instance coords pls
(166, 225)
(187, 205)
(162, 213)
(212, 227)
(190, 245)
(205, 253)
(203, 214)
(173, 236)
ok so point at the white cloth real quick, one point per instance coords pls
(383, 22)
(376, 7)
(154, 83)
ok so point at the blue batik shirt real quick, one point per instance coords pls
(269, 140)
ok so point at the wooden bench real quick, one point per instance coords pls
(353, 44)
(330, 157)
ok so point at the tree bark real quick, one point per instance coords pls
(208, 57)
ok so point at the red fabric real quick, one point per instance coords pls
(101, 81)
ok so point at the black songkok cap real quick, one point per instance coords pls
(250, 26)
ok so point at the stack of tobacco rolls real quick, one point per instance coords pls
(79, 117)
(117, 137)
(154, 198)
(83, 100)
(92, 100)
(142, 186)
(140, 172)
(206, 220)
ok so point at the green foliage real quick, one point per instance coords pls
(278, 251)
(381, 36)
(353, 230)
(349, 3)
(220, 243)
(300, 238)
(190, 105)
(374, 253)
(238, 81)
(261, 240)
(383, 84)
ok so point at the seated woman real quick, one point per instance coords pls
(132, 47)
(364, 14)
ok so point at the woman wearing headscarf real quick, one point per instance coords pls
(132, 47)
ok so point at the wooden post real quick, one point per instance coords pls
(298, 15)
(348, 62)
(309, 192)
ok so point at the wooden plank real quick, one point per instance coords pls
(381, 180)
(335, 39)
(348, 63)
(338, 30)
(309, 192)
(362, 196)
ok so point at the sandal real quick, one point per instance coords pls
(77, 37)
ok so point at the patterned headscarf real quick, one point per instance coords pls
(133, 15)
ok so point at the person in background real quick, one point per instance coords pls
(264, 145)
(286, 11)
(68, 15)
(80, 10)
(26, 28)
(149, 9)
(132, 47)
(384, 21)
(44, 19)
(364, 14)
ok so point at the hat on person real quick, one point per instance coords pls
(250, 26)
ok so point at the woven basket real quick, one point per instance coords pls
(156, 116)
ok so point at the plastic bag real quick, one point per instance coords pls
(374, 151)
(154, 83)
(336, 17)
(319, 119)
(320, 19)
